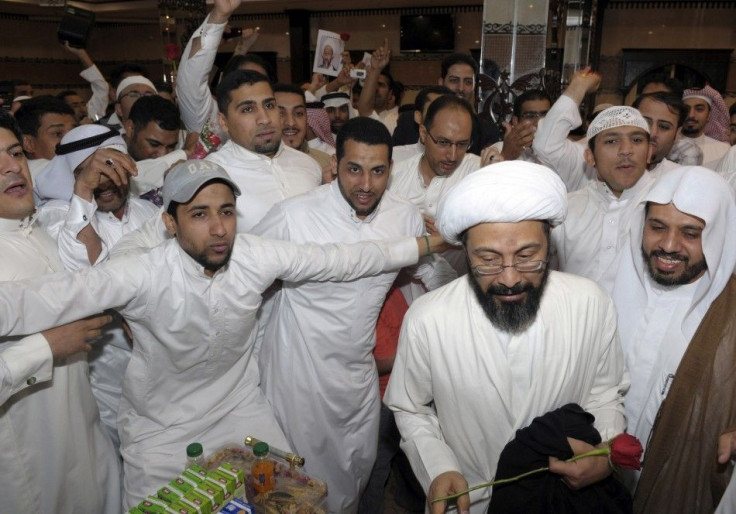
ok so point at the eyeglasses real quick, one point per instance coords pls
(446, 143)
(521, 267)
(533, 115)
(135, 95)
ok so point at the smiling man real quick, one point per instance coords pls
(319, 371)
(590, 241)
(675, 296)
(481, 357)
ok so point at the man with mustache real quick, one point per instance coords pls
(481, 357)
(99, 213)
(706, 124)
(192, 304)
(53, 443)
(590, 241)
(675, 295)
(316, 365)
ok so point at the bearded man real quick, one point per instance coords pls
(481, 357)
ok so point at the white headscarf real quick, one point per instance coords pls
(699, 192)
(56, 180)
(505, 192)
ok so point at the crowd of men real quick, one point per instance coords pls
(260, 258)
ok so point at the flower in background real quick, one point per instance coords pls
(345, 36)
(172, 51)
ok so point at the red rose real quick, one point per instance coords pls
(172, 51)
(626, 452)
(344, 36)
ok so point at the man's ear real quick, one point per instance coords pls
(170, 223)
(589, 157)
(417, 117)
(119, 110)
(29, 144)
(422, 133)
(222, 121)
(129, 130)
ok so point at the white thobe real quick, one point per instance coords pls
(653, 347)
(553, 148)
(316, 362)
(388, 117)
(451, 356)
(109, 356)
(195, 101)
(55, 455)
(320, 145)
(151, 172)
(404, 152)
(265, 181)
(713, 150)
(727, 167)
(407, 181)
(596, 231)
(97, 104)
(188, 378)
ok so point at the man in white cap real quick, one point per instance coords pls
(128, 91)
(706, 107)
(338, 109)
(191, 304)
(57, 455)
(481, 357)
(85, 228)
(319, 372)
(675, 296)
(596, 231)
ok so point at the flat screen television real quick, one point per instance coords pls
(427, 33)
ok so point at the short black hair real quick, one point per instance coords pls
(30, 113)
(732, 109)
(283, 87)
(8, 122)
(674, 103)
(157, 109)
(116, 75)
(423, 96)
(233, 81)
(236, 61)
(458, 58)
(445, 102)
(65, 93)
(362, 130)
(527, 96)
(164, 87)
(674, 86)
(397, 89)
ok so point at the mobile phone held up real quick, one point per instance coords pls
(357, 73)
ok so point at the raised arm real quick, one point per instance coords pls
(380, 59)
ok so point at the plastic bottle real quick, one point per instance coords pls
(262, 469)
(195, 455)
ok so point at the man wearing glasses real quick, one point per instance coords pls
(128, 92)
(484, 355)
(425, 178)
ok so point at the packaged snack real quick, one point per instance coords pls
(238, 506)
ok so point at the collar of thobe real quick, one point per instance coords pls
(246, 155)
(24, 226)
(641, 185)
(110, 216)
(345, 207)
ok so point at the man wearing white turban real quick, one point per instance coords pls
(481, 357)
(675, 297)
(596, 231)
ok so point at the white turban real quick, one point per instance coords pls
(505, 192)
(56, 180)
(617, 116)
(129, 81)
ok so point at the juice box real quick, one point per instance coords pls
(200, 500)
(238, 506)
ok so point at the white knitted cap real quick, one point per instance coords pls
(617, 116)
